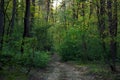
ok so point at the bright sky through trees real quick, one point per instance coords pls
(56, 3)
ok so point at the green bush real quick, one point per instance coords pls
(44, 42)
(73, 46)
(38, 59)
(41, 59)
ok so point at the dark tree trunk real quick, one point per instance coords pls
(101, 23)
(65, 19)
(91, 9)
(73, 9)
(83, 11)
(102, 19)
(2, 20)
(113, 23)
(27, 20)
(26, 32)
(32, 16)
(47, 10)
(13, 16)
(84, 43)
(51, 12)
(78, 8)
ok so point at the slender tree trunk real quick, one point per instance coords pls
(32, 16)
(13, 16)
(83, 36)
(73, 9)
(2, 21)
(51, 12)
(78, 8)
(2, 26)
(27, 20)
(101, 23)
(26, 32)
(113, 23)
(102, 27)
(47, 10)
(65, 19)
(91, 8)
(102, 18)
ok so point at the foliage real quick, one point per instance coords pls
(38, 59)
(30, 58)
(77, 46)
(43, 39)
(71, 48)
(41, 59)
(74, 30)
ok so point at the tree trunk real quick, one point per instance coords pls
(2, 20)
(91, 8)
(113, 23)
(47, 10)
(13, 16)
(84, 43)
(27, 20)
(26, 24)
(65, 19)
(73, 9)
(32, 16)
(101, 23)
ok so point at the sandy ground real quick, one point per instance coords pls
(60, 71)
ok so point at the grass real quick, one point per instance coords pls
(13, 74)
(100, 70)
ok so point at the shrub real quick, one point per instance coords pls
(38, 59)
(44, 42)
(71, 47)
(41, 59)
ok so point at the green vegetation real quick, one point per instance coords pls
(74, 47)
(13, 74)
(41, 60)
(83, 31)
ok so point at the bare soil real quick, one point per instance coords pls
(58, 70)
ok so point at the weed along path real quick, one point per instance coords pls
(61, 71)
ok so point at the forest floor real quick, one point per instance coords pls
(58, 70)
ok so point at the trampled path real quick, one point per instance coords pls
(61, 71)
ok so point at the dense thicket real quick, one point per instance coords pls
(88, 31)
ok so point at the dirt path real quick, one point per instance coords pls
(61, 71)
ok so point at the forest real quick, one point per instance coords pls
(59, 40)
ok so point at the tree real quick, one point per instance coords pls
(32, 12)
(2, 21)
(13, 16)
(26, 32)
(101, 23)
(47, 10)
(64, 9)
(112, 24)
